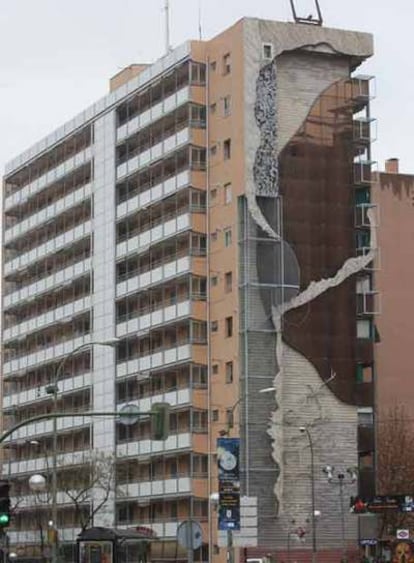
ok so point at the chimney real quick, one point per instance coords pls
(392, 166)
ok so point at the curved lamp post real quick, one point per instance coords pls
(305, 430)
(339, 477)
(53, 389)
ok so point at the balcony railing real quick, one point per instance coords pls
(22, 195)
(40, 322)
(48, 213)
(156, 360)
(50, 247)
(154, 153)
(155, 112)
(47, 284)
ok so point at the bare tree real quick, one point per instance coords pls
(89, 486)
(395, 463)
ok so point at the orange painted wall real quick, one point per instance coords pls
(394, 280)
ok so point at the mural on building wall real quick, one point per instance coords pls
(304, 407)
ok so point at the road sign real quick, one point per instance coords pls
(247, 535)
(403, 534)
(190, 534)
(129, 414)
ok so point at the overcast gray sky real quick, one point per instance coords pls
(56, 56)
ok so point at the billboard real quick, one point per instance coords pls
(381, 503)
(228, 462)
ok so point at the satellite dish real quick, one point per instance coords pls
(190, 534)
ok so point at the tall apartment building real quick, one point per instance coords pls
(212, 213)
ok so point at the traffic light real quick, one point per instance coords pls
(4, 504)
(160, 421)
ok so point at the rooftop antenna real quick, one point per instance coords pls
(200, 35)
(311, 19)
(167, 26)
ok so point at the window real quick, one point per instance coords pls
(213, 107)
(227, 149)
(173, 469)
(366, 460)
(227, 193)
(198, 158)
(365, 416)
(364, 329)
(200, 508)
(230, 418)
(267, 51)
(198, 73)
(363, 285)
(213, 65)
(173, 510)
(199, 376)
(200, 465)
(215, 369)
(214, 326)
(215, 415)
(364, 373)
(229, 326)
(228, 282)
(229, 372)
(227, 63)
(213, 150)
(213, 193)
(214, 281)
(200, 420)
(214, 236)
(227, 237)
(226, 105)
(363, 239)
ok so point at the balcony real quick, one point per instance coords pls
(32, 395)
(154, 113)
(154, 194)
(45, 355)
(180, 397)
(47, 284)
(44, 427)
(156, 488)
(160, 274)
(154, 153)
(66, 167)
(50, 247)
(365, 130)
(157, 234)
(157, 360)
(364, 172)
(23, 537)
(149, 447)
(361, 215)
(48, 213)
(368, 303)
(144, 323)
(57, 315)
(40, 464)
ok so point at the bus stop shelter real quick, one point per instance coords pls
(111, 545)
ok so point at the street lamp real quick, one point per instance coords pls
(305, 430)
(38, 484)
(339, 478)
(52, 389)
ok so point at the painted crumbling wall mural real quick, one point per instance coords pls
(303, 395)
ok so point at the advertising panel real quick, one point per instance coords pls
(228, 458)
